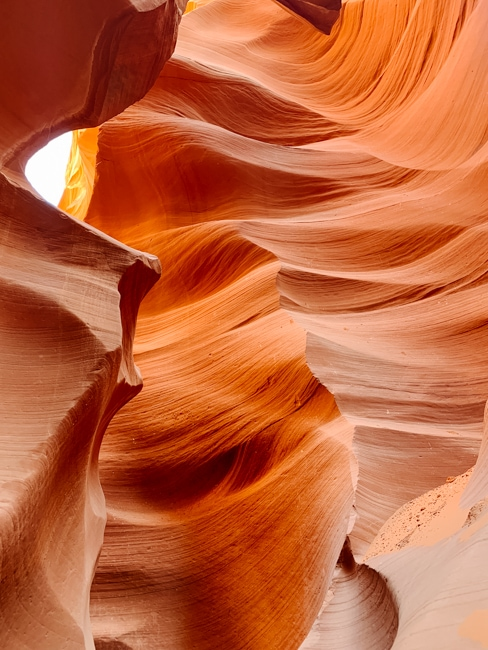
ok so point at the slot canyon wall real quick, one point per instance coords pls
(306, 465)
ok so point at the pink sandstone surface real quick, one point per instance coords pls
(69, 297)
(307, 465)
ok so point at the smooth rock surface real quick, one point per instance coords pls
(68, 303)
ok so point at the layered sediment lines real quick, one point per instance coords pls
(358, 160)
(68, 303)
(380, 225)
(229, 480)
(349, 173)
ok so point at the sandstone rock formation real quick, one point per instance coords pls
(69, 297)
(249, 505)
(322, 14)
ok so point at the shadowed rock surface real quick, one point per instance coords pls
(322, 14)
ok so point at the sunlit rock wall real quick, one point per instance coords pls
(296, 471)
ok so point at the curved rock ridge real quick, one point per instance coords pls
(232, 451)
(359, 162)
(98, 47)
(359, 611)
(371, 223)
(69, 297)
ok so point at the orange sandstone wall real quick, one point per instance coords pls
(352, 159)
(314, 352)
(228, 482)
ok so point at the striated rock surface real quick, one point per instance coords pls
(68, 302)
(347, 171)
(372, 225)
(381, 241)
(232, 452)
(359, 611)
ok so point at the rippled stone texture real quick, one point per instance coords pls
(350, 169)
(228, 481)
(68, 302)
(381, 238)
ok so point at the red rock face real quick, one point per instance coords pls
(233, 449)
(68, 302)
(313, 354)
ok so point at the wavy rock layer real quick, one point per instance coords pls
(372, 225)
(359, 161)
(232, 452)
(68, 302)
(361, 591)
